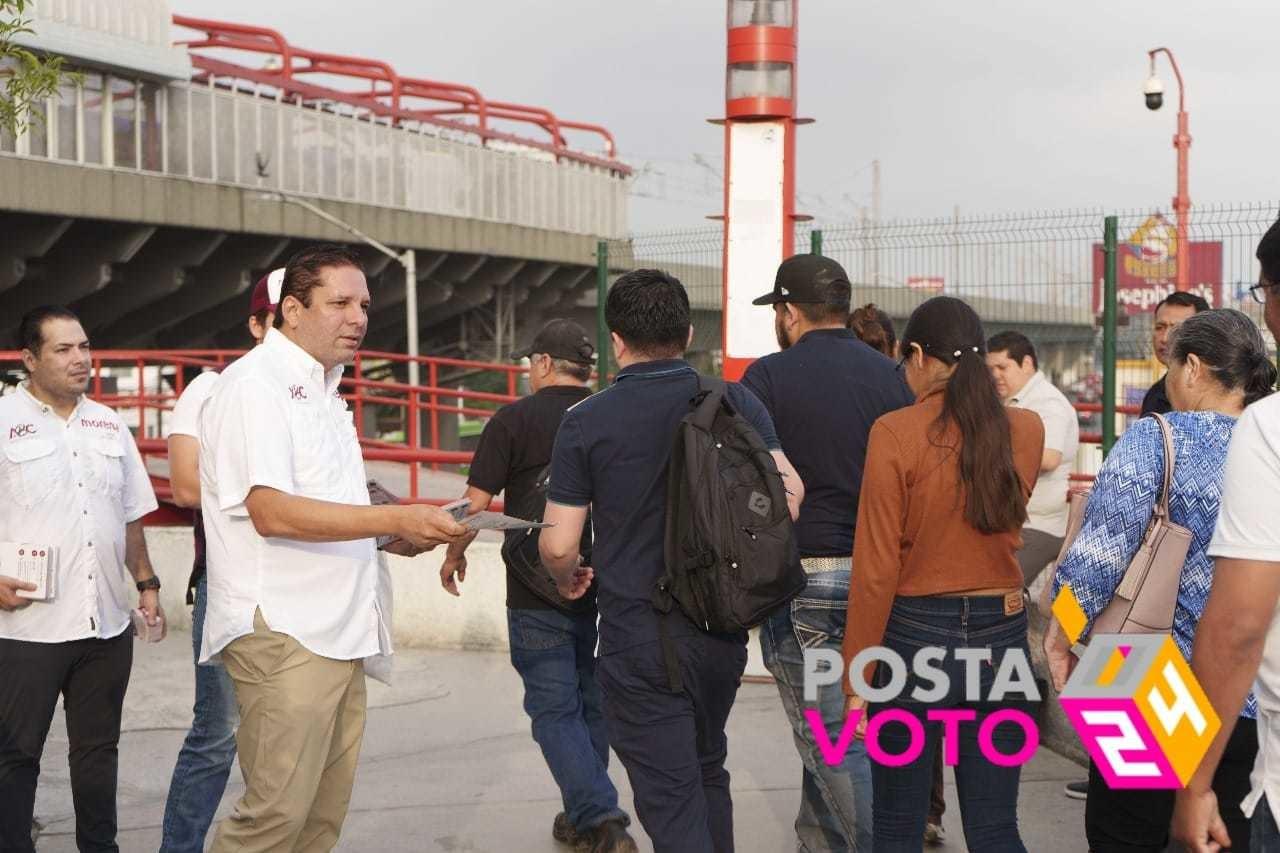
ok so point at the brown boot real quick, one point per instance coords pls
(610, 837)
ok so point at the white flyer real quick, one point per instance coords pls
(30, 563)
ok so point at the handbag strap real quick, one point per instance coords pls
(1162, 505)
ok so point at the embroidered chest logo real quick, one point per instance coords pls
(99, 424)
(21, 431)
(297, 392)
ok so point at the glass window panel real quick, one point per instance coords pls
(149, 95)
(201, 117)
(760, 13)
(65, 116)
(224, 129)
(124, 94)
(176, 101)
(38, 130)
(92, 117)
(759, 80)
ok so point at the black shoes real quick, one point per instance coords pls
(609, 837)
(564, 832)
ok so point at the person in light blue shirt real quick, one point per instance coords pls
(1218, 365)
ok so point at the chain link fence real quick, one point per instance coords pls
(1038, 273)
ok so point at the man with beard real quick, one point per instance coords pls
(824, 391)
(74, 484)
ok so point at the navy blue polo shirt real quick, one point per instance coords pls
(611, 453)
(824, 394)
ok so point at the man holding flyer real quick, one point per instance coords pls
(72, 528)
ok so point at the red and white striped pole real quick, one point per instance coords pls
(759, 176)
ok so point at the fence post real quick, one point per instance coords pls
(815, 241)
(1109, 250)
(602, 330)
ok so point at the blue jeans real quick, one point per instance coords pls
(835, 802)
(988, 793)
(200, 776)
(1264, 835)
(555, 656)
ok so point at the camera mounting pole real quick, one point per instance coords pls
(1182, 144)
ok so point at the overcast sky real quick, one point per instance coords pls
(994, 106)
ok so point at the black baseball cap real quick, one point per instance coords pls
(804, 278)
(561, 339)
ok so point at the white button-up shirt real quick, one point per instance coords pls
(73, 484)
(1047, 510)
(275, 420)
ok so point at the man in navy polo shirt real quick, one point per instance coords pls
(611, 456)
(824, 390)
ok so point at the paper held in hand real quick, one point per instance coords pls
(489, 520)
(30, 563)
(379, 495)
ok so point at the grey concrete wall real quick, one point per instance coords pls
(66, 189)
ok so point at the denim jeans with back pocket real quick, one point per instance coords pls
(835, 801)
(988, 792)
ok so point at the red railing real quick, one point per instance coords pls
(157, 379)
(382, 91)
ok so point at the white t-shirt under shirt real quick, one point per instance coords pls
(185, 417)
(1048, 509)
(1247, 530)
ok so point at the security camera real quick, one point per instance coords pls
(1154, 93)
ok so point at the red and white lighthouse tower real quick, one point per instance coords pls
(759, 176)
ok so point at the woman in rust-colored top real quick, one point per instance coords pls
(943, 501)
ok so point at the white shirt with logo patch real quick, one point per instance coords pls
(74, 485)
(275, 420)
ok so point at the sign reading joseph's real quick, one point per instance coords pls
(1148, 264)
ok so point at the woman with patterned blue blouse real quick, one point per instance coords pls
(1218, 365)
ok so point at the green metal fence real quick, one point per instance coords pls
(1040, 273)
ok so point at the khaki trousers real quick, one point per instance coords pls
(301, 724)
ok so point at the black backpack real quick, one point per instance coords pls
(520, 551)
(730, 548)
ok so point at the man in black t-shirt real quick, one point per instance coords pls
(553, 649)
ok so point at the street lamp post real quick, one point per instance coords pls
(408, 259)
(1154, 93)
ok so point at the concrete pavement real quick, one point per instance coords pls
(448, 765)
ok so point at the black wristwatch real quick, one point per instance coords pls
(152, 582)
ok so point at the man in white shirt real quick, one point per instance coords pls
(1019, 382)
(1238, 637)
(204, 762)
(293, 573)
(74, 484)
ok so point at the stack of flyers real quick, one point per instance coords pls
(31, 563)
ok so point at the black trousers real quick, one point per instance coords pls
(673, 743)
(91, 676)
(1137, 821)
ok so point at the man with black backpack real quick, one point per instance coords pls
(687, 491)
(552, 639)
(824, 391)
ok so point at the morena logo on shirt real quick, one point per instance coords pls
(21, 431)
(297, 392)
(98, 423)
